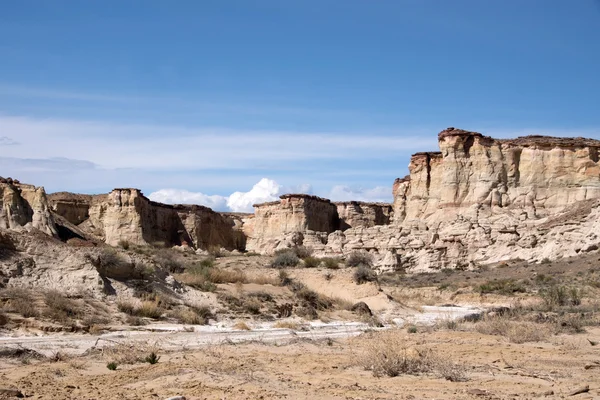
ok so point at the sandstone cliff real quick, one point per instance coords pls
(127, 215)
(24, 206)
(478, 200)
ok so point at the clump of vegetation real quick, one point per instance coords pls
(169, 260)
(152, 358)
(109, 260)
(502, 286)
(112, 366)
(61, 308)
(388, 354)
(357, 258)
(205, 276)
(124, 244)
(286, 258)
(241, 326)
(559, 296)
(20, 301)
(411, 329)
(364, 274)
(311, 262)
(331, 262)
(147, 309)
(284, 278)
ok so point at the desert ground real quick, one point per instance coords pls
(513, 330)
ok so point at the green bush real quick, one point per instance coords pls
(112, 366)
(559, 296)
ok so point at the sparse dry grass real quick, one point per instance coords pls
(20, 301)
(514, 330)
(295, 326)
(61, 308)
(388, 354)
(241, 326)
(147, 308)
(129, 352)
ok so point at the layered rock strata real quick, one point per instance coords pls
(478, 200)
(126, 215)
(24, 206)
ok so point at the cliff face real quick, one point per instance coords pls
(540, 174)
(284, 221)
(24, 205)
(127, 215)
(478, 200)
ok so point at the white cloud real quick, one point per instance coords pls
(376, 194)
(265, 190)
(176, 196)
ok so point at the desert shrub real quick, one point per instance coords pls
(126, 307)
(284, 259)
(218, 275)
(112, 366)
(109, 259)
(389, 355)
(307, 312)
(261, 295)
(61, 308)
(363, 274)
(331, 262)
(515, 331)
(357, 258)
(311, 262)
(502, 286)
(20, 301)
(152, 358)
(412, 329)
(265, 280)
(188, 317)
(559, 296)
(302, 252)
(242, 326)
(252, 306)
(313, 299)
(295, 326)
(149, 309)
(124, 244)
(284, 278)
(169, 260)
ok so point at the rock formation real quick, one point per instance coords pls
(478, 200)
(126, 215)
(24, 206)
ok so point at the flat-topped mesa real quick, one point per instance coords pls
(23, 205)
(542, 172)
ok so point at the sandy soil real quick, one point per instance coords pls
(309, 369)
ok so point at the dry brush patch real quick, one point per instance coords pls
(388, 353)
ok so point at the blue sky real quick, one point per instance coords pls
(212, 96)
